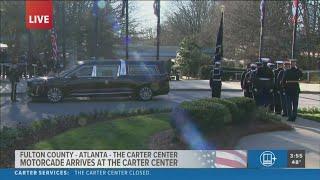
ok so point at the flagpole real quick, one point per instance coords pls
(262, 6)
(158, 29)
(96, 36)
(261, 41)
(127, 30)
(63, 34)
(294, 34)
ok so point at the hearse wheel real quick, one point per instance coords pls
(145, 93)
(54, 95)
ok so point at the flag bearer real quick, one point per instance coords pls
(215, 80)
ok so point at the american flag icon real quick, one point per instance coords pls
(222, 159)
(231, 159)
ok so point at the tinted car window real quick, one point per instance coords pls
(83, 71)
(67, 71)
(142, 69)
(107, 71)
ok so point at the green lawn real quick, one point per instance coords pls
(310, 113)
(123, 133)
(314, 117)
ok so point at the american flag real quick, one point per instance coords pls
(231, 159)
(295, 11)
(124, 3)
(54, 44)
(262, 9)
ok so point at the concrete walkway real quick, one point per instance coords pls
(305, 136)
(183, 85)
(5, 87)
(230, 85)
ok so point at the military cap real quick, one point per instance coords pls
(265, 59)
(270, 64)
(217, 62)
(279, 62)
(253, 65)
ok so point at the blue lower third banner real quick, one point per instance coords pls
(154, 174)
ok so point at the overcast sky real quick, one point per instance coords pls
(145, 15)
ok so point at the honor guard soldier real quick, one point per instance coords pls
(272, 100)
(271, 66)
(248, 81)
(290, 82)
(14, 76)
(277, 88)
(215, 80)
(253, 84)
(263, 82)
(282, 92)
(243, 82)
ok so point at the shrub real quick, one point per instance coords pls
(310, 110)
(246, 107)
(204, 72)
(207, 115)
(262, 114)
(234, 110)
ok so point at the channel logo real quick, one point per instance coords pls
(39, 14)
(267, 159)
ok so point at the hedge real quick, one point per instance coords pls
(212, 114)
(23, 137)
(234, 110)
(246, 107)
(207, 115)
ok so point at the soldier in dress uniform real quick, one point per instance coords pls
(259, 64)
(290, 83)
(253, 84)
(243, 83)
(248, 80)
(215, 80)
(14, 77)
(263, 82)
(277, 87)
(282, 92)
(272, 100)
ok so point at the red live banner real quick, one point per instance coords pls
(39, 14)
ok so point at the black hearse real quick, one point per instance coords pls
(139, 79)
